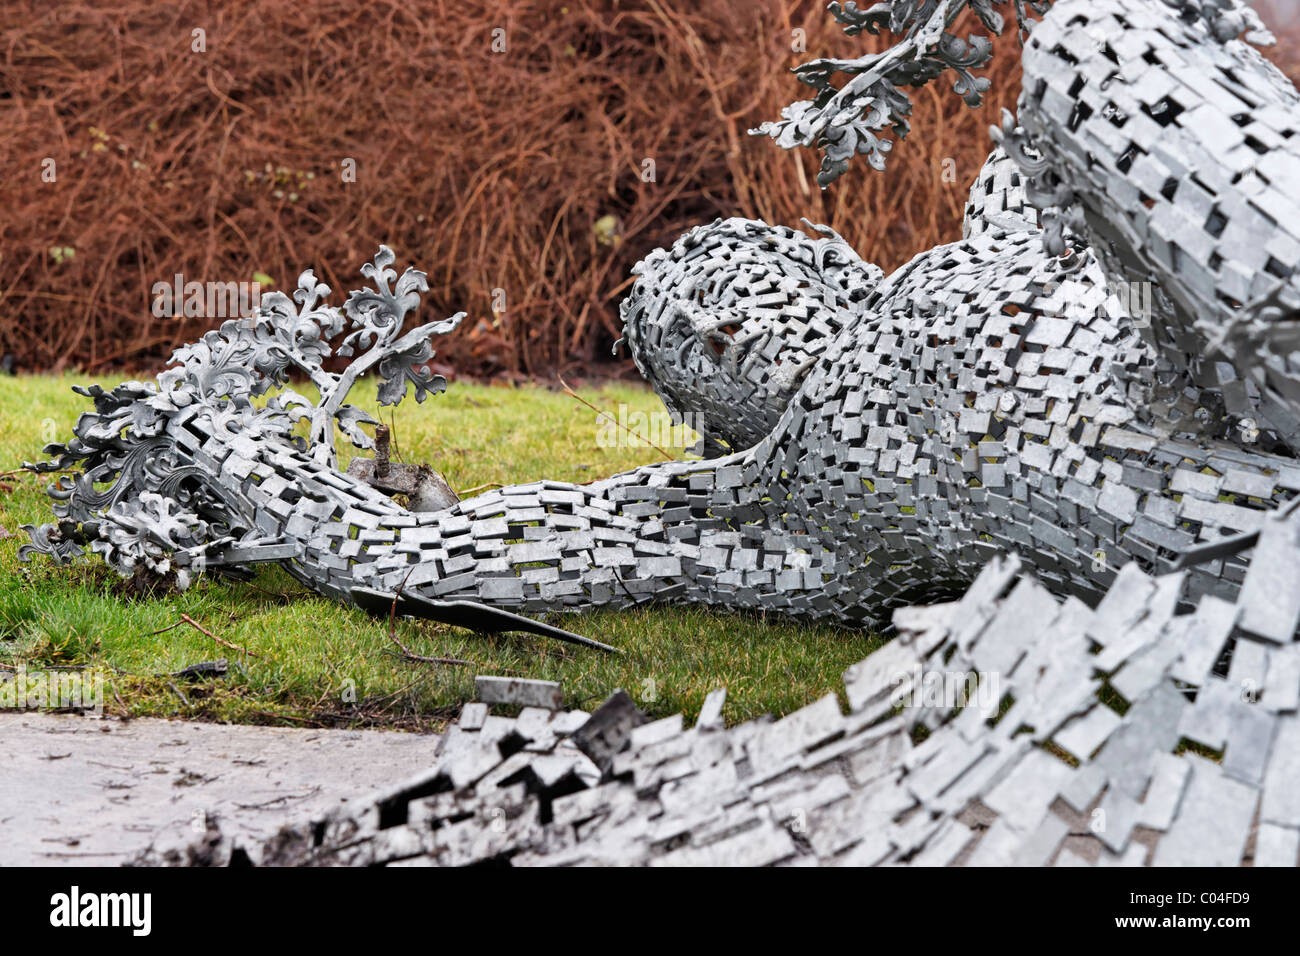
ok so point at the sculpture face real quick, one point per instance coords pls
(727, 323)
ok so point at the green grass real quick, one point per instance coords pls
(318, 662)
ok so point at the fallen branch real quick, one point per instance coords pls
(272, 803)
(186, 619)
(298, 720)
(177, 691)
(406, 652)
(489, 486)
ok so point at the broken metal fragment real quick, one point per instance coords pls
(609, 729)
(425, 489)
(467, 614)
(517, 690)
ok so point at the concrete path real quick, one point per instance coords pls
(88, 791)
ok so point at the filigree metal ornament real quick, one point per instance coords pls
(187, 461)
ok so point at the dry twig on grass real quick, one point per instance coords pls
(186, 619)
(407, 653)
(572, 394)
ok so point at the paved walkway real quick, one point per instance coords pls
(91, 791)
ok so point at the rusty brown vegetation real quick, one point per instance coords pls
(521, 171)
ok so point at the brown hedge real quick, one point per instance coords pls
(519, 171)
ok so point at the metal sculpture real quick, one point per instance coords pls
(984, 398)
(1037, 768)
(995, 395)
(727, 322)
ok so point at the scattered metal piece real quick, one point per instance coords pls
(823, 786)
(425, 489)
(517, 690)
(217, 668)
(467, 614)
(609, 729)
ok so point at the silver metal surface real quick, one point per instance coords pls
(1054, 424)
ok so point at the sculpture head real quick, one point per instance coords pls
(727, 322)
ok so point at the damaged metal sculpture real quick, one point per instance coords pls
(1044, 771)
(984, 398)
(1004, 394)
(189, 474)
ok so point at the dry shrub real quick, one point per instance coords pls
(519, 171)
